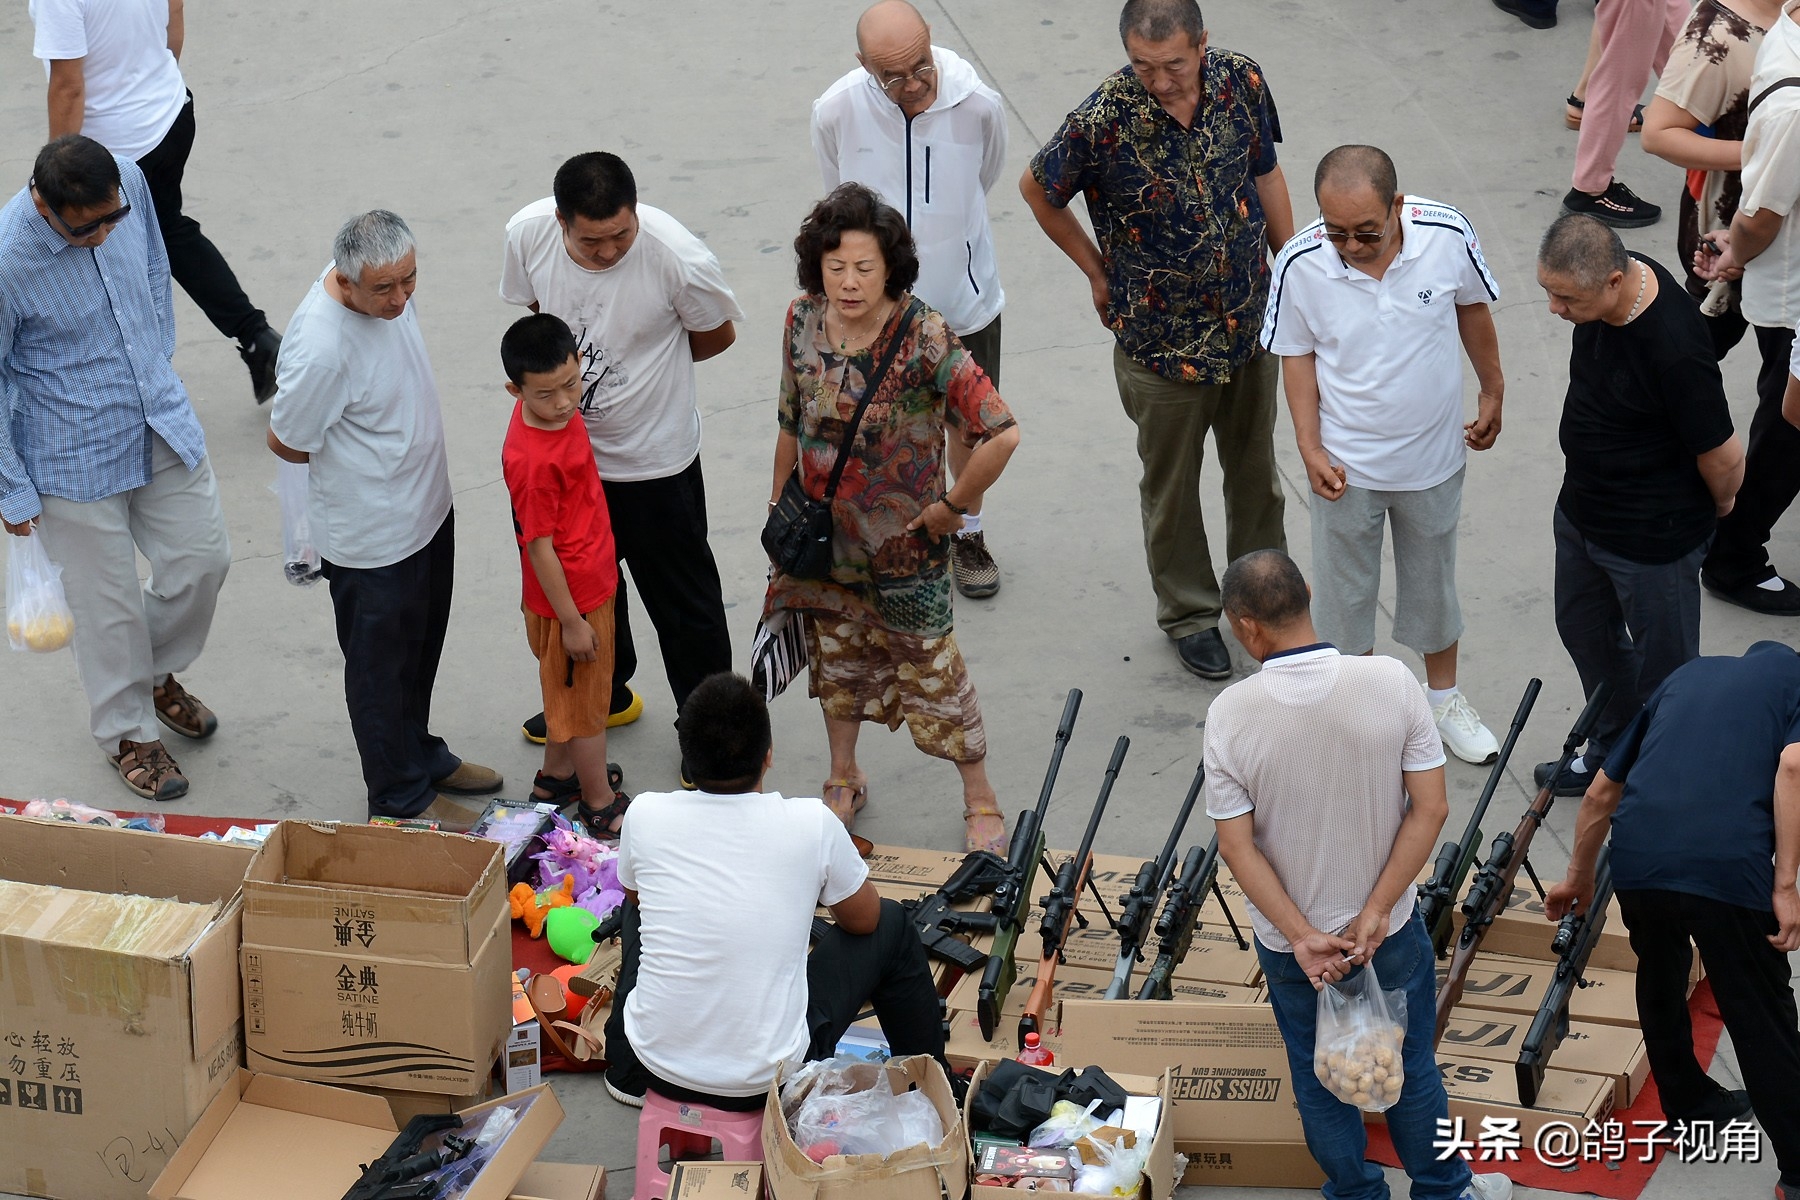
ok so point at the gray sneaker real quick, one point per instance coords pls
(977, 575)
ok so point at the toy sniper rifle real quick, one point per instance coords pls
(1010, 881)
(396, 1175)
(1454, 859)
(1140, 903)
(1494, 883)
(1181, 916)
(1576, 936)
(1060, 905)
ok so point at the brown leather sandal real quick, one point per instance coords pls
(182, 711)
(148, 769)
(548, 1003)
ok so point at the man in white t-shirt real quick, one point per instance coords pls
(646, 300)
(917, 125)
(1367, 309)
(114, 77)
(358, 402)
(716, 990)
(1325, 781)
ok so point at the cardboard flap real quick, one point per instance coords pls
(215, 992)
(126, 862)
(318, 1100)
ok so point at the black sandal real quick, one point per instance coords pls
(566, 792)
(599, 821)
(1573, 113)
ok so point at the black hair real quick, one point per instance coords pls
(1267, 587)
(75, 172)
(724, 733)
(1160, 20)
(1582, 249)
(595, 185)
(1350, 166)
(853, 208)
(536, 345)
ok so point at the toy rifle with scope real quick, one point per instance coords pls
(1060, 906)
(1438, 897)
(1494, 882)
(398, 1173)
(1576, 936)
(1181, 916)
(1139, 904)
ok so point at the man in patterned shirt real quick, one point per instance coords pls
(1175, 156)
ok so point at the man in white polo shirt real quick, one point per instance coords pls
(1367, 309)
(647, 301)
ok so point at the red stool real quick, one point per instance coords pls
(674, 1124)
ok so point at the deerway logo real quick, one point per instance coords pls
(1425, 296)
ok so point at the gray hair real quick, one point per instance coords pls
(374, 239)
(1267, 587)
(1584, 250)
(1160, 20)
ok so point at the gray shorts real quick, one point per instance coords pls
(984, 346)
(1346, 544)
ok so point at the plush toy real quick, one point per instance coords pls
(532, 907)
(567, 852)
(570, 932)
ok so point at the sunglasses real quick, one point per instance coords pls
(90, 228)
(1338, 237)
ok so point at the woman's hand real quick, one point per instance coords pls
(936, 519)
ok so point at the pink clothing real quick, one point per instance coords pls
(1635, 36)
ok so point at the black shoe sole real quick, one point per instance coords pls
(1205, 672)
(1531, 19)
(1615, 221)
(1738, 596)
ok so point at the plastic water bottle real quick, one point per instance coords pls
(1035, 1054)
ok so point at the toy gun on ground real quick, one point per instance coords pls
(1576, 936)
(1181, 916)
(1140, 903)
(1438, 897)
(1494, 882)
(398, 1173)
(1060, 906)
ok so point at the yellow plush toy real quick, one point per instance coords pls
(531, 907)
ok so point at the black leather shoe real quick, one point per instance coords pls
(1204, 654)
(1538, 15)
(259, 354)
(1756, 598)
(1569, 783)
(1722, 1106)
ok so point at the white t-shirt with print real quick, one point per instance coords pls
(133, 85)
(726, 887)
(1771, 176)
(357, 393)
(632, 321)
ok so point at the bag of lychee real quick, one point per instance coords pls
(37, 612)
(1356, 1046)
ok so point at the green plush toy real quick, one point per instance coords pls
(570, 932)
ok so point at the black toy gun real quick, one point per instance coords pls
(1576, 936)
(398, 1173)
(1060, 906)
(1139, 906)
(1181, 916)
(1494, 882)
(1454, 860)
(938, 924)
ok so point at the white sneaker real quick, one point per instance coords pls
(1488, 1187)
(1461, 728)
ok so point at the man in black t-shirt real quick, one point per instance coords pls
(1702, 797)
(1650, 464)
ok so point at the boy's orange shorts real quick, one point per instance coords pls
(577, 695)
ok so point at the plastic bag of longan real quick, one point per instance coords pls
(1356, 1047)
(37, 612)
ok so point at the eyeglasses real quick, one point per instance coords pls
(1338, 237)
(90, 228)
(922, 75)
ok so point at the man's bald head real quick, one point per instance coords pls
(1265, 586)
(888, 26)
(1349, 170)
(893, 44)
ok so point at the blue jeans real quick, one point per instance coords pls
(1334, 1130)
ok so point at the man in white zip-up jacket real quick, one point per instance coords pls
(915, 123)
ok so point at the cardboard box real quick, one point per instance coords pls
(715, 1181)
(1588, 1049)
(110, 1053)
(1482, 1088)
(363, 940)
(1517, 985)
(916, 1173)
(1159, 1166)
(521, 1060)
(1226, 1163)
(403, 1105)
(1521, 929)
(561, 1181)
(924, 869)
(300, 1141)
(965, 1048)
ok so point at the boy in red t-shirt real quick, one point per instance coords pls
(567, 561)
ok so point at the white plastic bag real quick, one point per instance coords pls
(37, 612)
(850, 1108)
(299, 557)
(1357, 1044)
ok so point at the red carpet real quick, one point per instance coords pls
(1617, 1181)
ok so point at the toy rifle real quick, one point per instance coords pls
(1060, 911)
(1181, 916)
(1454, 859)
(397, 1174)
(1140, 903)
(1494, 882)
(1576, 936)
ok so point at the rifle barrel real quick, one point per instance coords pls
(1134, 916)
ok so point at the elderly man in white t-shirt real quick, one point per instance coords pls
(1325, 781)
(1367, 309)
(359, 403)
(646, 300)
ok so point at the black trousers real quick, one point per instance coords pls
(390, 626)
(886, 969)
(1750, 982)
(659, 530)
(1740, 553)
(194, 261)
